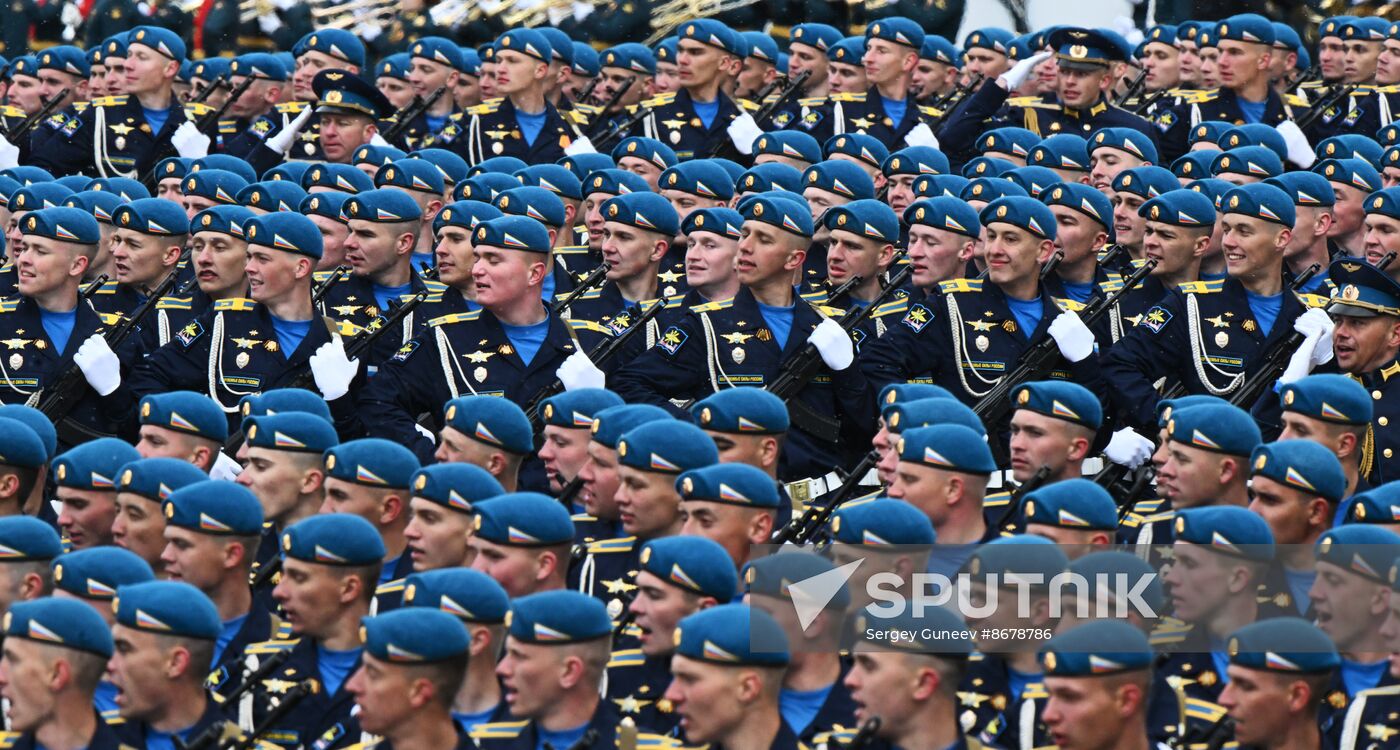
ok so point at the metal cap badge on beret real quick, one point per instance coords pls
(742, 410)
(926, 412)
(468, 595)
(60, 622)
(379, 156)
(987, 189)
(1083, 49)
(527, 42)
(38, 195)
(694, 563)
(1013, 558)
(1072, 504)
(992, 38)
(1100, 647)
(384, 205)
(168, 608)
(612, 181)
(1062, 400)
(1351, 146)
(915, 160)
(1361, 290)
(414, 636)
(703, 178)
(523, 519)
(844, 178)
(944, 213)
(725, 222)
(1355, 173)
(327, 203)
(505, 166)
(62, 224)
(1249, 161)
(215, 507)
(333, 539)
(1246, 27)
(898, 393)
(337, 43)
(162, 40)
(576, 409)
(26, 539)
(185, 411)
(279, 400)
(762, 178)
(259, 65)
(64, 58)
(1380, 505)
(94, 464)
(100, 205)
(1081, 198)
(226, 162)
(1024, 212)
(867, 219)
(226, 220)
(881, 522)
(774, 575)
(558, 617)
(940, 50)
(342, 177)
(153, 216)
(730, 484)
(373, 462)
(415, 174)
(610, 424)
(456, 486)
(97, 572)
(1194, 164)
(1283, 644)
(732, 635)
(286, 231)
(649, 150)
(450, 165)
(1385, 202)
(950, 447)
(497, 422)
(858, 146)
(1364, 549)
(39, 424)
(1329, 397)
(775, 208)
(288, 171)
(1124, 139)
(1227, 529)
(793, 144)
(629, 56)
(1307, 189)
(666, 447)
(534, 202)
(1061, 151)
(514, 233)
(1215, 427)
(218, 185)
(272, 195)
(1145, 181)
(555, 178)
(439, 50)
(465, 215)
(646, 211)
(897, 29)
(1182, 208)
(583, 165)
(157, 478)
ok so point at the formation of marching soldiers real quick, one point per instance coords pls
(394, 393)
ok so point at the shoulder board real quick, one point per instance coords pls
(996, 499)
(9, 110)
(1159, 517)
(1111, 284)
(391, 587)
(656, 101)
(174, 303)
(347, 329)
(661, 742)
(482, 109)
(626, 658)
(80, 107)
(575, 116)
(1201, 287)
(1024, 101)
(893, 306)
(722, 304)
(1130, 521)
(454, 318)
(606, 546)
(1162, 639)
(815, 298)
(872, 497)
(960, 285)
(1035, 691)
(589, 325)
(812, 101)
(842, 736)
(110, 319)
(829, 311)
(108, 287)
(320, 276)
(854, 96)
(594, 293)
(109, 101)
(1389, 89)
(1069, 304)
(1148, 506)
(1199, 97)
(1378, 691)
(930, 111)
(1197, 708)
(228, 126)
(1296, 101)
(672, 302)
(8, 305)
(271, 647)
(499, 730)
(197, 109)
(8, 739)
(1313, 300)
(112, 716)
(291, 108)
(571, 250)
(588, 109)
(284, 631)
(241, 304)
(748, 106)
(434, 287)
(582, 518)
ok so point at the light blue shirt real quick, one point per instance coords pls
(780, 320)
(706, 111)
(800, 707)
(562, 740)
(1252, 111)
(1027, 313)
(335, 666)
(386, 572)
(1017, 681)
(156, 118)
(527, 339)
(290, 333)
(1265, 309)
(1299, 584)
(1078, 292)
(531, 123)
(226, 636)
(58, 326)
(895, 108)
(1358, 676)
(383, 295)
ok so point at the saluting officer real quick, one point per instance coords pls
(413, 665)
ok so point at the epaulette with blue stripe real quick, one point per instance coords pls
(271, 647)
(391, 587)
(1201, 287)
(291, 108)
(197, 109)
(112, 716)
(812, 101)
(80, 107)
(1035, 690)
(283, 632)
(110, 319)
(1159, 517)
(853, 96)
(1198, 708)
(239, 304)
(583, 518)
(960, 285)
(931, 111)
(498, 730)
(829, 311)
(669, 303)
(8, 305)
(1313, 300)
(590, 294)
(589, 325)
(175, 303)
(722, 304)
(608, 546)
(228, 127)
(1065, 303)
(660, 99)
(1296, 101)
(462, 317)
(110, 101)
(320, 276)
(892, 307)
(571, 250)
(996, 499)
(747, 105)
(1024, 101)
(108, 287)
(630, 657)
(1148, 506)
(815, 298)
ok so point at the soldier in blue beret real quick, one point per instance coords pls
(1352, 180)
(942, 233)
(218, 253)
(747, 425)
(645, 157)
(794, 148)
(890, 536)
(522, 540)
(1279, 670)
(147, 241)
(943, 471)
(210, 187)
(489, 432)
(29, 546)
(184, 425)
(444, 496)
(937, 71)
(1175, 229)
(650, 457)
(1096, 662)
(164, 621)
(902, 167)
(568, 419)
(142, 486)
(422, 182)
(628, 64)
(1246, 164)
(86, 482)
(863, 234)
(329, 552)
(23, 456)
(1112, 150)
(1208, 451)
(271, 196)
(249, 114)
(1296, 485)
(67, 636)
(1054, 425)
(371, 478)
(599, 473)
(433, 62)
(895, 418)
(733, 504)
(1075, 512)
(1129, 191)
(1336, 412)
(1129, 587)
(1065, 153)
(1079, 240)
(637, 231)
(336, 177)
(1313, 197)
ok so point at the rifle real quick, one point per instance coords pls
(995, 406)
(1275, 359)
(952, 99)
(45, 109)
(865, 735)
(219, 733)
(620, 129)
(594, 278)
(296, 694)
(804, 528)
(617, 95)
(1385, 261)
(1134, 88)
(208, 91)
(1311, 74)
(363, 340)
(1149, 100)
(1027, 487)
(92, 287)
(418, 106)
(318, 295)
(570, 491)
(587, 92)
(1327, 101)
(206, 123)
(790, 90)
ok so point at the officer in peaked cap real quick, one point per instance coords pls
(1284, 663)
(444, 497)
(1366, 307)
(414, 662)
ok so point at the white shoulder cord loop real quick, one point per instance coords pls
(216, 367)
(712, 355)
(959, 349)
(448, 358)
(163, 327)
(1193, 317)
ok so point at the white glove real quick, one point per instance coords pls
(1075, 340)
(1300, 362)
(71, 16)
(378, 140)
(580, 146)
(225, 468)
(1012, 79)
(368, 31)
(921, 135)
(578, 371)
(834, 344)
(743, 131)
(283, 140)
(9, 154)
(582, 11)
(269, 23)
(1127, 448)
(1300, 152)
(1317, 322)
(191, 143)
(99, 364)
(556, 15)
(333, 370)
(284, 4)
(1125, 26)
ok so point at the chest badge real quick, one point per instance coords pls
(983, 343)
(479, 374)
(1222, 339)
(16, 361)
(738, 355)
(1249, 326)
(242, 360)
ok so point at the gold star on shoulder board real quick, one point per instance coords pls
(669, 277)
(120, 129)
(478, 357)
(618, 586)
(1218, 321)
(737, 338)
(631, 704)
(981, 325)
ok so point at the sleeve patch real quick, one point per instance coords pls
(190, 333)
(917, 317)
(405, 351)
(672, 340)
(1156, 319)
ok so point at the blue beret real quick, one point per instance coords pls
(933, 631)
(730, 484)
(272, 195)
(465, 214)
(168, 608)
(340, 91)
(1330, 398)
(699, 177)
(492, 420)
(614, 182)
(280, 400)
(1364, 549)
(25, 539)
(373, 462)
(1246, 27)
(773, 576)
(60, 622)
(457, 486)
(1255, 134)
(667, 447)
(1062, 400)
(939, 185)
(63, 224)
(939, 49)
(514, 233)
(881, 523)
(945, 213)
(259, 65)
(555, 178)
(1027, 213)
(1182, 208)
(1081, 198)
(337, 43)
(1384, 202)
(725, 222)
(768, 176)
(897, 29)
(1033, 179)
(819, 36)
(1362, 290)
(988, 189)
(225, 162)
(94, 464)
(1377, 505)
(576, 409)
(523, 519)
(409, 636)
(711, 32)
(1286, 38)
(485, 186)
(1008, 140)
(694, 563)
(467, 594)
(38, 195)
(504, 165)
(1216, 427)
(215, 507)
(8, 186)
(412, 173)
(1365, 29)
(1072, 504)
(909, 415)
(858, 146)
(775, 208)
(162, 40)
(64, 58)
(915, 160)
(868, 219)
(1212, 188)
(843, 178)
(1249, 161)
(227, 220)
(218, 185)
(760, 46)
(1194, 164)
(560, 45)
(1163, 33)
(1146, 181)
(1009, 557)
(289, 171)
(1061, 151)
(185, 411)
(379, 156)
(1124, 139)
(992, 38)
(1389, 136)
(1356, 173)
(1227, 529)
(74, 182)
(154, 216)
(1333, 26)
(28, 175)
(1111, 564)
(334, 539)
(950, 447)
(647, 149)
(384, 205)
(287, 231)
(732, 635)
(97, 572)
(629, 56)
(1260, 201)
(1305, 188)
(534, 202)
(450, 165)
(340, 177)
(610, 424)
(742, 410)
(1283, 644)
(439, 50)
(558, 617)
(156, 478)
(35, 421)
(793, 144)
(1097, 648)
